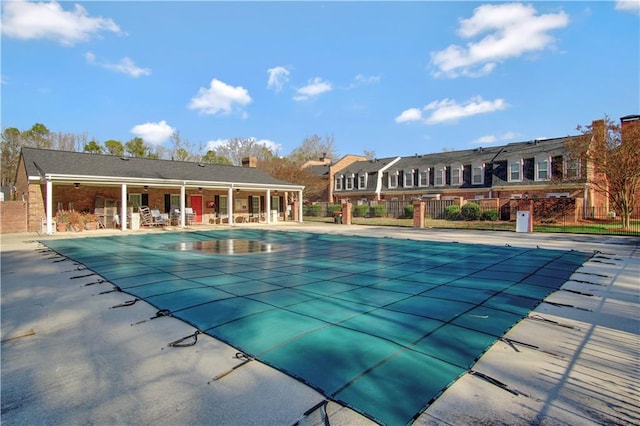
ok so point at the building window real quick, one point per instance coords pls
(571, 168)
(362, 181)
(224, 203)
(542, 169)
(456, 175)
(515, 171)
(393, 179)
(439, 176)
(477, 177)
(348, 183)
(338, 185)
(408, 178)
(423, 179)
(135, 200)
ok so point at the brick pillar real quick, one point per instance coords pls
(346, 213)
(295, 209)
(418, 213)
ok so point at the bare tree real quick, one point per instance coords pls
(369, 154)
(288, 171)
(612, 154)
(313, 148)
(181, 149)
(236, 149)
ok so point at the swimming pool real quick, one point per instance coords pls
(381, 325)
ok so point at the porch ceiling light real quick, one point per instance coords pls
(76, 185)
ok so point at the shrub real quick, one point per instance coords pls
(470, 211)
(380, 210)
(313, 210)
(361, 210)
(333, 208)
(452, 212)
(491, 215)
(408, 211)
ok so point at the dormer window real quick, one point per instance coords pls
(348, 182)
(543, 167)
(338, 182)
(393, 179)
(423, 177)
(477, 174)
(515, 171)
(362, 180)
(408, 178)
(439, 176)
(456, 175)
(572, 168)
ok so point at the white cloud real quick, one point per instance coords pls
(631, 6)
(491, 139)
(411, 114)
(153, 133)
(32, 21)
(448, 110)
(219, 97)
(315, 88)
(278, 77)
(125, 66)
(510, 30)
(362, 80)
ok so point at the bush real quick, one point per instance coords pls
(452, 212)
(333, 208)
(408, 211)
(361, 210)
(313, 210)
(491, 215)
(380, 210)
(470, 211)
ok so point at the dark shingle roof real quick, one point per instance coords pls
(41, 162)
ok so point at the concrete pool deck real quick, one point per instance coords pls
(67, 357)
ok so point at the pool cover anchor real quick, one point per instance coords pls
(512, 343)
(325, 416)
(498, 383)
(180, 343)
(161, 313)
(538, 317)
(126, 303)
(239, 355)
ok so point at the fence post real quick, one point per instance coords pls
(418, 214)
(346, 213)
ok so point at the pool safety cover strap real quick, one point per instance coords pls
(381, 325)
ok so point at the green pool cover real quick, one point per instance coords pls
(381, 325)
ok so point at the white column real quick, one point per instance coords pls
(49, 207)
(267, 205)
(123, 207)
(230, 206)
(183, 204)
(300, 210)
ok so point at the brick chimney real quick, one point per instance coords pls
(628, 121)
(250, 162)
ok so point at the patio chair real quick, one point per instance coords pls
(146, 218)
(158, 218)
(188, 215)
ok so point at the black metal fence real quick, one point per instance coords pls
(557, 216)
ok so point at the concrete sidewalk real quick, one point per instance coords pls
(69, 357)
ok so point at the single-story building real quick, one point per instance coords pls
(114, 188)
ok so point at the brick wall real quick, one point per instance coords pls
(13, 217)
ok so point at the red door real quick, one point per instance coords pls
(196, 205)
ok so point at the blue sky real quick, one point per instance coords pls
(396, 78)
